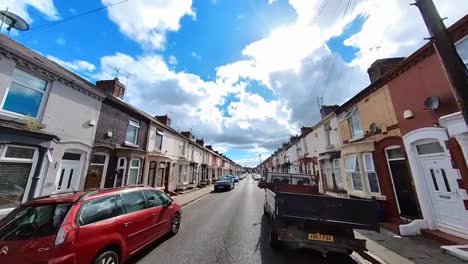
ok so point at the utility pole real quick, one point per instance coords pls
(454, 66)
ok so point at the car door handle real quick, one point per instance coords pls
(127, 223)
(154, 214)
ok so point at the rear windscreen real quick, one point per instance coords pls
(28, 222)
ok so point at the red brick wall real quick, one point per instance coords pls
(411, 88)
(390, 208)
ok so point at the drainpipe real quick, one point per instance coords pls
(37, 171)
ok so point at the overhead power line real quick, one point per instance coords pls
(60, 21)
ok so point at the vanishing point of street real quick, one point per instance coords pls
(227, 227)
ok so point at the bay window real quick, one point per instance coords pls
(370, 173)
(133, 171)
(132, 131)
(26, 94)
(352, 167)
(337, 171)
(16, 167)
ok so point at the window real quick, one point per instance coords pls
(164, 197)
(429, 148)
(180, 173)
(153, 199)
(354, 123)
(394, 154)
(28, 222)
(328, 139)
(371, 174)
(183, 149)
(99, 210)
(462, 48)
(25, 94)
(133, 201)
(352, 167)
(133, 171)
(337, 170)
(159, 139)
(16, 167)
(132, 131)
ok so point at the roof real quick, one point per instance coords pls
(70, 78)
(457, 31)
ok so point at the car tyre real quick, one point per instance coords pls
(175, 225)
(273, 241)
(107, 257)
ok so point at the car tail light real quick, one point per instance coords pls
(65, 234)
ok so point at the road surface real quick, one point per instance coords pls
(227, 228)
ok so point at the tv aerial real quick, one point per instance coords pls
(120, 72)
(12, 21)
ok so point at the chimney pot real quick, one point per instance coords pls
(381, 66)
(113, 87)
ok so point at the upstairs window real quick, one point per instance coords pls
(328, 139)
(25, 95)
(132, 131)
(462, 48)
(159, 139)
(354, 123)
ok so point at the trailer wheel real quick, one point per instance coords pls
(273, 236)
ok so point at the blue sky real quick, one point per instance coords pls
(244, 75)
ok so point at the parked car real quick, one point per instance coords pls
(235, 178)
(256, 177)
(224, 183)
(103, 226)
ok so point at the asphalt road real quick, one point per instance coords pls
(227, 228)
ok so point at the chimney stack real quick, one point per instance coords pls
(200, 142)
(113, 87)
(327, 109)
(380, 67)
(187, 134)
(305, 130)
(165, 119)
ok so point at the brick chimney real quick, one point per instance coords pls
(165, 119)
(113, 87)
(380, 67)
(327, 109)
(187, 134)
(209, 147)
(200, 141)
(305, 130)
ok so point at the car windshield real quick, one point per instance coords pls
(225, 178)
(28, 222)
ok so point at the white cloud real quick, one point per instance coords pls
(147, 21)
(397, 29)
(19, 7)
(195, 55)
(75, 65)
(173, 60)
(60, 41)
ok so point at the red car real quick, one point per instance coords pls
(104, 226)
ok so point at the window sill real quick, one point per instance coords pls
(356, 138)
(330, 147)
(365, 195)
(128, 144)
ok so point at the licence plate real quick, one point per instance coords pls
(220, 186)
(320, 237)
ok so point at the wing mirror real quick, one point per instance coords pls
(169, 203)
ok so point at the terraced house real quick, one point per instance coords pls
(44, 146)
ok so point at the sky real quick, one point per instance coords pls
(243, 75)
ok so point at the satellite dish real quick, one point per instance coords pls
(13, 21)
(374, 128)
(432, 103)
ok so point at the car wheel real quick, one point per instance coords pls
(273, 237)
(107, 257)
(175, 224)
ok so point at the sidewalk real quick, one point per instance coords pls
(405, 250)
(187, 198)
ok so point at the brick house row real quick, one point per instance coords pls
(59, 132)
(401, 140)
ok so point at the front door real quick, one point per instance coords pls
(403, 188)
(442, 181)
(69, 174)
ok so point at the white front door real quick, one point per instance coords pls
(68, 178)
(442, 181)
